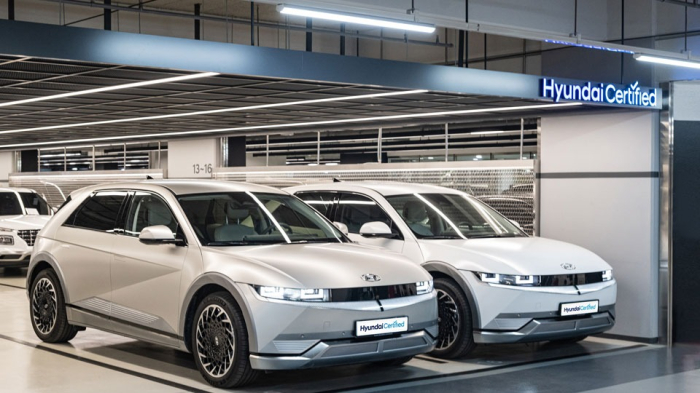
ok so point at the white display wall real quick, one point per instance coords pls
(599, 189)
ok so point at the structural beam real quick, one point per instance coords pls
(141, 50)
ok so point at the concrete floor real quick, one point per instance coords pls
(98, 361)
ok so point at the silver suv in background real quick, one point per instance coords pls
(23, 213)
(245, 277)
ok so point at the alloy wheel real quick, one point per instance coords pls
(44, 306)
(448, 317)
(215, 341)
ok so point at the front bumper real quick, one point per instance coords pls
(15, 256)
(333, 353)
(292, 335)
(547, 329)
(509, 314)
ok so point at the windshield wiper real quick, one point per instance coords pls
(491, 236)
(316, 240)
(443, 237)
(244, 243)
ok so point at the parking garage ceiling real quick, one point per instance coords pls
(22, 78)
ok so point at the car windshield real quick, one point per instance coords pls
(32, 200)
(9, 204)
(451, 216)
(246, 218)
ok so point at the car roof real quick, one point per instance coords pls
(15, 189)
(184, 187)
(385, 188)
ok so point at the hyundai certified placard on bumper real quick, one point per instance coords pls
(578, 308)
(381, 326)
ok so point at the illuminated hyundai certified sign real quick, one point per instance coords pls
(604, 93)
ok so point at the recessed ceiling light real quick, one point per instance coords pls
(110, 88)
(302, 124)
(214, 111)
(359, 19)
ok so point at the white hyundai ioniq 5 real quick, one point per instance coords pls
(245, 277)
(495, 283)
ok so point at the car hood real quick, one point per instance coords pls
(22, 222)
(517, 255)
(314, 265)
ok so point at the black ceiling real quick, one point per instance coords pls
(22, 78)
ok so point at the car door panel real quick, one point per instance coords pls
(146, 277)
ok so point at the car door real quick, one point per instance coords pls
(146, 277)
(355, 210)
(85, 243)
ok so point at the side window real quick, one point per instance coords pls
(147, 210)
(357, 210)
(321, 201)
(100, 211)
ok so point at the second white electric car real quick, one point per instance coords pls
(245, 277)
(495, 283)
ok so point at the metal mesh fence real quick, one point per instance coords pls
(57, 186)
(507, 187)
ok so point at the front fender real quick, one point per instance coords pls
(453, 273)
(233, 289)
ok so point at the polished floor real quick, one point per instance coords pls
(96, 361)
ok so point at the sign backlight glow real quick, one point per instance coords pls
(604, 93)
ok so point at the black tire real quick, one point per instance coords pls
(47, 309)
(220, 337)
(456, 336)
(393, 362)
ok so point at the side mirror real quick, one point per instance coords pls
(341, 227)
(32, 211)
(515, 223)
(158, 234)
(376, 229)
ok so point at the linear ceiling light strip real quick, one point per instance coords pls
(111, 88)
(303, 124)
(214, 111)
(359, 19)
(668, 61)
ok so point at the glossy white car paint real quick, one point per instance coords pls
(118, 283)
(501, 313)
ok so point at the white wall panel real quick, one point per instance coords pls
(192, 158)
(615, 217)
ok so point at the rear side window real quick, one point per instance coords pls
(321, 201)
(100, 212)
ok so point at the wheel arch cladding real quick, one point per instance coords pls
(200, 289)
(439, 269)
(46, 262)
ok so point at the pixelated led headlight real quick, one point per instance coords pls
(607, 275)
(6, 230)
(508, 279)
(294, 294)
(6, 240)
(423, 287)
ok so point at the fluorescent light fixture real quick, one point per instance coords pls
(214, 111)
(668, 61)
(111, 88)
(302, 124)
(487, 132)
(359, 19)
